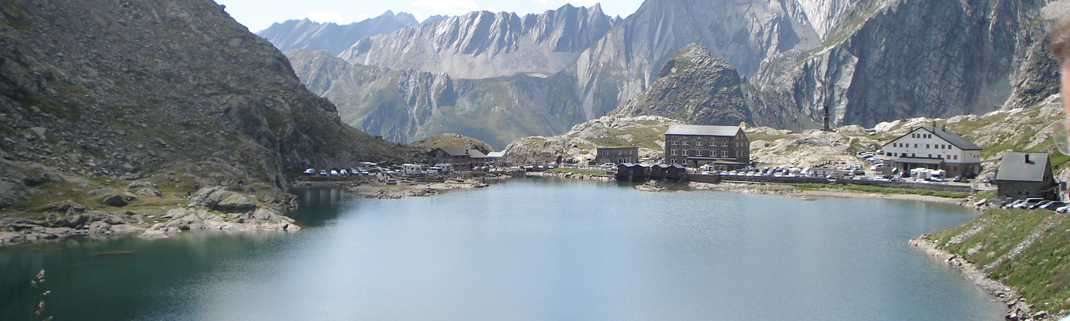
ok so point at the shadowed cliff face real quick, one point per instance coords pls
(95, 89)
(487, 45)
(908, 58)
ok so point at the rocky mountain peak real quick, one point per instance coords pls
(484, 44)
(694, 87)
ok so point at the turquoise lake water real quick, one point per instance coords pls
(526, 249)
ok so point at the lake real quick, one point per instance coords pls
(525, 249)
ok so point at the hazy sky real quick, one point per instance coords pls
(259, 14)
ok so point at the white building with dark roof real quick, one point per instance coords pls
(1023, 175)
(724, 147)
(935, 148)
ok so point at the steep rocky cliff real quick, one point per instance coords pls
(743, 33)
(894, 59)
(486, 45)
(175, 94)
(307, 34)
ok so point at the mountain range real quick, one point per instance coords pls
(308, 34)
(867, 60)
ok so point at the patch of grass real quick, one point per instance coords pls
(753, 137)
(1040, 271)
(578, 171)
(878, 189)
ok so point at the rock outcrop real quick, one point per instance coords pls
(452, 140)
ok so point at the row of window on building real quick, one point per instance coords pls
(906, 145)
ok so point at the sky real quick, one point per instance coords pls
(259, 14)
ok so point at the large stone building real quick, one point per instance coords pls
(616, 155)
(935, 148)
(1023, 175)
(724, 147)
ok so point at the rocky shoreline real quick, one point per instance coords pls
(214, 208)
(1017, 307)
(603, 178)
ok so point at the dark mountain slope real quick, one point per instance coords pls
(174, 92)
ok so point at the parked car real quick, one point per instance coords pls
(310, 171)
(343, 172)
(334, 173)
(1064, 209)
(1027, 202)
(323, 172)
(1053, 205)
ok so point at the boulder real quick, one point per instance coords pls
(114, 200)
(220, 199)
(234, 202)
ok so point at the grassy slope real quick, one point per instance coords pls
(1024, 249)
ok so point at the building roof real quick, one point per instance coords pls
(461, 152)
(495, 154)
(948, 136)
(702, 130)
(1023, 167)
(606, 148)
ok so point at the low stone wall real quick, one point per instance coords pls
(779, 180)
(931, 187)
(710, 179)
(717, 179)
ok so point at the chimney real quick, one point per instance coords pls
(1027, 159)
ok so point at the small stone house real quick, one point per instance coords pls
(1023, 175)
(616, 155)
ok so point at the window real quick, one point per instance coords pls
(724, 153)
(685, 152)
(698, 144)
(956, 157)
(926, 146)
(674, 152)
(915, 145)
(698, 153)
(685, 143)
(930, 155)
(674, 143)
